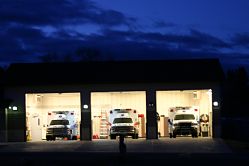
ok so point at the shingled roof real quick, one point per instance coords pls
(157, 71)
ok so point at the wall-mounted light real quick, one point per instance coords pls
(151, 104)
(85, 106)
(14, 108)
(216, 103)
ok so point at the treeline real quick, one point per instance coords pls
(236, 93)
(80, 54)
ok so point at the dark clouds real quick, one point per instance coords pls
(195, 40)
(58, 13)
(163, 24)
(23, 36)
(241, 40)
(31, 29)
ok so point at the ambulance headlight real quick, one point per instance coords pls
(195, 125)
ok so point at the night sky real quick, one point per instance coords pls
(56, 30)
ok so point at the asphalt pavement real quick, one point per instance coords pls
(163, 151)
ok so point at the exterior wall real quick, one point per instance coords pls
(16, 119)
(232, 128)
(216, 118)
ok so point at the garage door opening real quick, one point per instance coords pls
(196, 102)
(52, 116)
(105, 105)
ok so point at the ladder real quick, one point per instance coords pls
(103, 125)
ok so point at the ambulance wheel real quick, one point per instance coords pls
(170, 135)
(74, 137)
(135, 136)
(48, 138)
(174, 135)
(194, 134)
(113, 136)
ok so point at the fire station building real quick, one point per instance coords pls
(91, 89)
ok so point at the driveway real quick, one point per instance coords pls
(164, 151)
(162, 145)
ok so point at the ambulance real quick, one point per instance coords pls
(123, 122)
(62, 124)
(184, 121)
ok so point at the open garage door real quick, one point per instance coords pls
(197, 101)
(49, 114)
(105, 104)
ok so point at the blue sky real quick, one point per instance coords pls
(33, 31)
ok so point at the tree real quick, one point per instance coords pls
(49, 57)
(88, 54)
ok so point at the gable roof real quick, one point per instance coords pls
(156, 71)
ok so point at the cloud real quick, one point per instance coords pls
(163, 24)
(195, 40)
(58, 12)
(24, 35)
(111, 17)
(23, 31)
(24, 42)
(18, 43)
(241, 39)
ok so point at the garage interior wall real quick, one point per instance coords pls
(202, 99)
(103, 102)
(38, 105)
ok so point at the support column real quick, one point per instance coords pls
(3, 125)
(216, 118)
(151, 125)
(85, 126)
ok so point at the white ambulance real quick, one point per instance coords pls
(62, 124)
(184, 121)
(123, 122)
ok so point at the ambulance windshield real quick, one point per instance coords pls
(184, 117)
(59, 122)
(122, 120)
